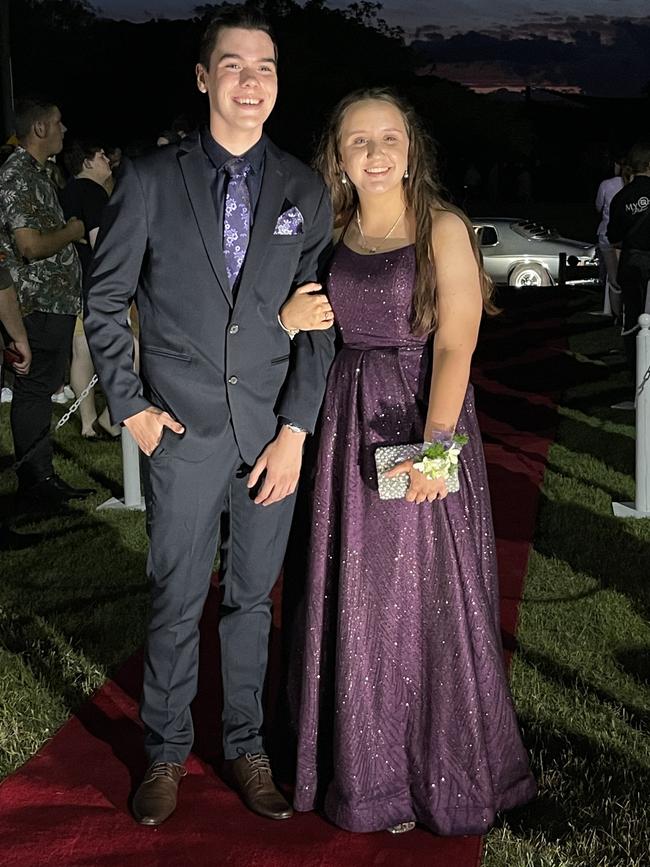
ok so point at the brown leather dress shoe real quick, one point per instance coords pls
(155, 799)
(251, 776)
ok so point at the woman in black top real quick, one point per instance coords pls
(85, 197)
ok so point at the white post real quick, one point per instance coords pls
(133, 499)
(641, 506)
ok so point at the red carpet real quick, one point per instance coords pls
(68, 805)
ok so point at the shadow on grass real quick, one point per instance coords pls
(552, 600)
(84, 462)
(572, 679)
(510, 340)
(74, 607)
(518, 413)
(620, 389)
(614, 557)
(557, 373)
(606, 779)
(635, 661)
(615, 450)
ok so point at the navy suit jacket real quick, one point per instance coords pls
(212, 361)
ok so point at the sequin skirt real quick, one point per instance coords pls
(405, 712)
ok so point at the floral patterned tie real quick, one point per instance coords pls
(236, 220)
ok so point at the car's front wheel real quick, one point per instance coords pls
(524, 276)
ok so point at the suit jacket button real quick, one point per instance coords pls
(233, 380)
(233, 329)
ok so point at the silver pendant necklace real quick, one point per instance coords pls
(364, 242)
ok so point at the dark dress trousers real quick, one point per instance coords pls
(219, 362)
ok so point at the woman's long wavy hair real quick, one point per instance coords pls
(422, 193)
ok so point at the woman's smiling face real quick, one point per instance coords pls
(374, 145)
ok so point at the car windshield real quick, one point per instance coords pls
(533, 231)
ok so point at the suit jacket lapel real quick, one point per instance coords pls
(266, 214)
(195, 168)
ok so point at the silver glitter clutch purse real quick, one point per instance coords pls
(386, 457)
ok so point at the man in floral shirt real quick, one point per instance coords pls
(39, 250)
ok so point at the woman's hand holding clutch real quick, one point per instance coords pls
(420, 487)
(428, 471)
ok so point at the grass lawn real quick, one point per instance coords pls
(580, 676)
(73, 606)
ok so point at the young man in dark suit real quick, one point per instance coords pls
(211, 237)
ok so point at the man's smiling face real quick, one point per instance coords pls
(241, 81)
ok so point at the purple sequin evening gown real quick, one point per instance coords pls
(405, 712)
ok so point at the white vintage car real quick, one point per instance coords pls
(521, 253)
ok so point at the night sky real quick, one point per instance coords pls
(504, 16)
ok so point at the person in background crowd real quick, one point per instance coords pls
(176, 133)
(64, 393)
(629, 230)
(114, 154)
(608, 254)
(5, 151)
(12, 326)
(181, 126)
(523, 184)
(167, 137)
(39, 245)
(55, 172)
(85, 196)
(472, 185)
(12, 322)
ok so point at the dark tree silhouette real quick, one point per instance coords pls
(125, 83)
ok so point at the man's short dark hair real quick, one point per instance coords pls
(77, 152)
(29, 111)
(243, 17)
(638, 158)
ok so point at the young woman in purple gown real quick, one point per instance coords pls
(405, 714)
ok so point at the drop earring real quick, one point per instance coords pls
(406, 173)
(344, 178)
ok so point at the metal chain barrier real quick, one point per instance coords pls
(63, 420)
(644, 382)
(75, 406)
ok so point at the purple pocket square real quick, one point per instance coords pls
(289, 222)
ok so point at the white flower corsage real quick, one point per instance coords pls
(439, 459)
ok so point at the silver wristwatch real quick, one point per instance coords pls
(295, 428)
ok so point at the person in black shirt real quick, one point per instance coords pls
(85, 197)
(629, 229)
(85, 192)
